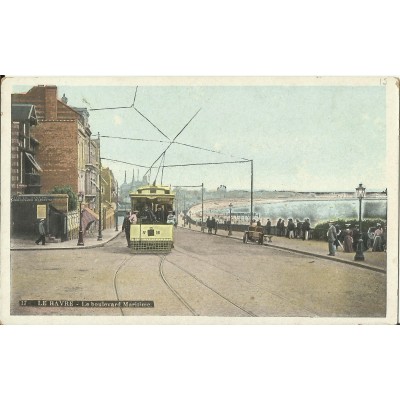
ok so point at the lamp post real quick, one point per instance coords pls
(230, 219)
(360, 190)
(80, 238)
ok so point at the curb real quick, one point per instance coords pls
(307, 253)
(90, 246)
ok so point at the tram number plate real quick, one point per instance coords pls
(150, 232)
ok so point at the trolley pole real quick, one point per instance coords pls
(100, 236)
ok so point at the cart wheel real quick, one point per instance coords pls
(245, 237)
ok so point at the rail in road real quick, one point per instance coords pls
(202, 276)
(374, 261)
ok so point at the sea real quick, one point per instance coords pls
(316, 210)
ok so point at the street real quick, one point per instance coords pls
(204, 275)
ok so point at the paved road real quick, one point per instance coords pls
(204, 275)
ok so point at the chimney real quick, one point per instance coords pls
(50, 102)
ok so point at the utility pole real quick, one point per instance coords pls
(202, 206)
(100, 236)
(251, 195)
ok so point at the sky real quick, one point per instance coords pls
(303, 138)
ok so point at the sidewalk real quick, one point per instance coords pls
(89, 242)
(375, 261)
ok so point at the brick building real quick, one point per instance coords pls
(25, 170)
(67, 155)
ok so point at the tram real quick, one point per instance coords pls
(154, 229)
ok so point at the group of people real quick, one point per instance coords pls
(298, 229)
(349, 238)
(147, 216)
(212, 224)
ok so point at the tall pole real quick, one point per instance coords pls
(80, 238)
(100, 236)
(359, 214)
(251, 195)
(230, 219)
(184, 209)
(202, 206)
(116, 219)
(359, 256)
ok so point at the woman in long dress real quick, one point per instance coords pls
(377, 246)
(348, 240)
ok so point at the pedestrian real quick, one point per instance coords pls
(339, 237)
(348, 239)
(378, 245)
(126, 226)
(331, 234)
(290, 229)
(42, 233)
(356, 237)
(209, 225)
(133, 218)
(306, 229)
(283, 227)
(299, 229)
(278, 227)
(215, 225)
(268, 227)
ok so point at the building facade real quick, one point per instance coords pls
(67, 155)
(25, 170)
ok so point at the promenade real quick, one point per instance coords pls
(373, 260)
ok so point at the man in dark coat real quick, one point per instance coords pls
(209, 225)
(268, 227)
(42, 233)
(126, 226)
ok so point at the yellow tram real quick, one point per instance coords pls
(154, 229)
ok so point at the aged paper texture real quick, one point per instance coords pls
(199, 200)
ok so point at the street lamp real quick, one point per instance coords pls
(360, 190)
(230, 219)
(80, 238)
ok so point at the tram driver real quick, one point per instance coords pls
(147, 215)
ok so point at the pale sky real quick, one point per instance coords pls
(304, 138)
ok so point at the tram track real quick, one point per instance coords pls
(118, 270)
(262, 288)
(164, 259)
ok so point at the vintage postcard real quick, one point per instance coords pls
(199, 200)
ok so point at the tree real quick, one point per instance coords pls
(72, 197)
